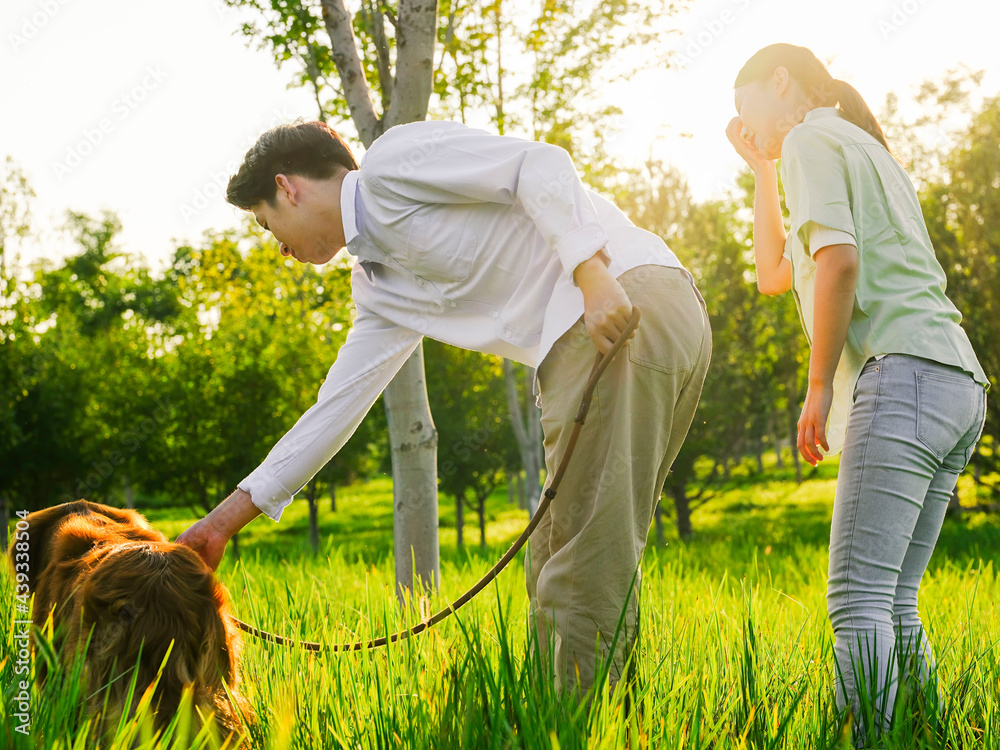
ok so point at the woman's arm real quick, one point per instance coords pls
(774, 272)
(836, 279)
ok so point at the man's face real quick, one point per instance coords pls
(298, 222)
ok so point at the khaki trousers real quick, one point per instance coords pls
(583, 558)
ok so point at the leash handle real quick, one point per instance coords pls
(600, 365)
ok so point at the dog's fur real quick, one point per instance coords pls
(105, 574)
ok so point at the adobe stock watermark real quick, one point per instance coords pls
(222, 9)
(900, 15)
(122, 106)
(214, 188)
(21, 694)
(131, 441)
(697, 43)
(32, 24)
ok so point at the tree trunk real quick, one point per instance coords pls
(5, 520)
(661, 539)
(414, 454)
(527, 431)
(793, 427)
(482, 522)
(129, 491)
(683, 508)
(333, 497)
(954, 507)
(779, 462)
(413, 442)
(311, 492)
(534, 417)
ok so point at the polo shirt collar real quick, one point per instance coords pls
(348, 193)
(820, 113)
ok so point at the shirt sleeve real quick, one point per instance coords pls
(447, 162)
(373, 353)
(822, 236)
(817, 185)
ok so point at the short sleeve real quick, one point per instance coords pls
(817, 184)
(824, 236)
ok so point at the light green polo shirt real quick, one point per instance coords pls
(837, 175)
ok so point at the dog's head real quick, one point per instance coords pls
(143, 600)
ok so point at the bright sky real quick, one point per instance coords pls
(145, 108)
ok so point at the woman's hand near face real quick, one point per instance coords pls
(774, 271)
(746, 148)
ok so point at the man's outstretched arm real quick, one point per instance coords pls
(373, 353)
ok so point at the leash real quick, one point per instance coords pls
(600, 365)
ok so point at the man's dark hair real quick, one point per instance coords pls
(307, 149)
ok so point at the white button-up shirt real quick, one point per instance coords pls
(464, 236)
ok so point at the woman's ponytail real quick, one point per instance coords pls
(815, 79)
(857, 110)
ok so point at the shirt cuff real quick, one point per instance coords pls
(580, 244)
(266, 492)
(823, 236)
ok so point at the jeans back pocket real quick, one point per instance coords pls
(948, 412)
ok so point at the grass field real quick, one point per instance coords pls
(736, 646)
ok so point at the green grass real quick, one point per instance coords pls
(736, 646)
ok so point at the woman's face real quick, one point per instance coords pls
(767, 109)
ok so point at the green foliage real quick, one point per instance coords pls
(542, 79)
(177, 386)
(759, 353)
(963, 217)
(475, 440)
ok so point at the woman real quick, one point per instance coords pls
(893, 379)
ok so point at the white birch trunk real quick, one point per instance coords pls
(411, 430)
(413, 441)
(527, 431)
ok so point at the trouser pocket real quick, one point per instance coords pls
(950, 415)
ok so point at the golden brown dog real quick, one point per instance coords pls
(107, 575)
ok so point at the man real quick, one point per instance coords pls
(492, 243)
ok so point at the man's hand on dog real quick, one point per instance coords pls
(209, 536)
(206, 541)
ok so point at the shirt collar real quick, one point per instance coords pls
(821, 112)
(348, 193)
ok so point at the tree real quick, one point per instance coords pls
(527, 427)
(962, 214)
(76, 345)
(385, 53)
(477, 444)
(758, 350)
(16, 195)
(252, 358)
(404, 90)
(950, 152)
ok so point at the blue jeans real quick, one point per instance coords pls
(913, 428)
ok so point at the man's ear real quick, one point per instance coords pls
(287, 187)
